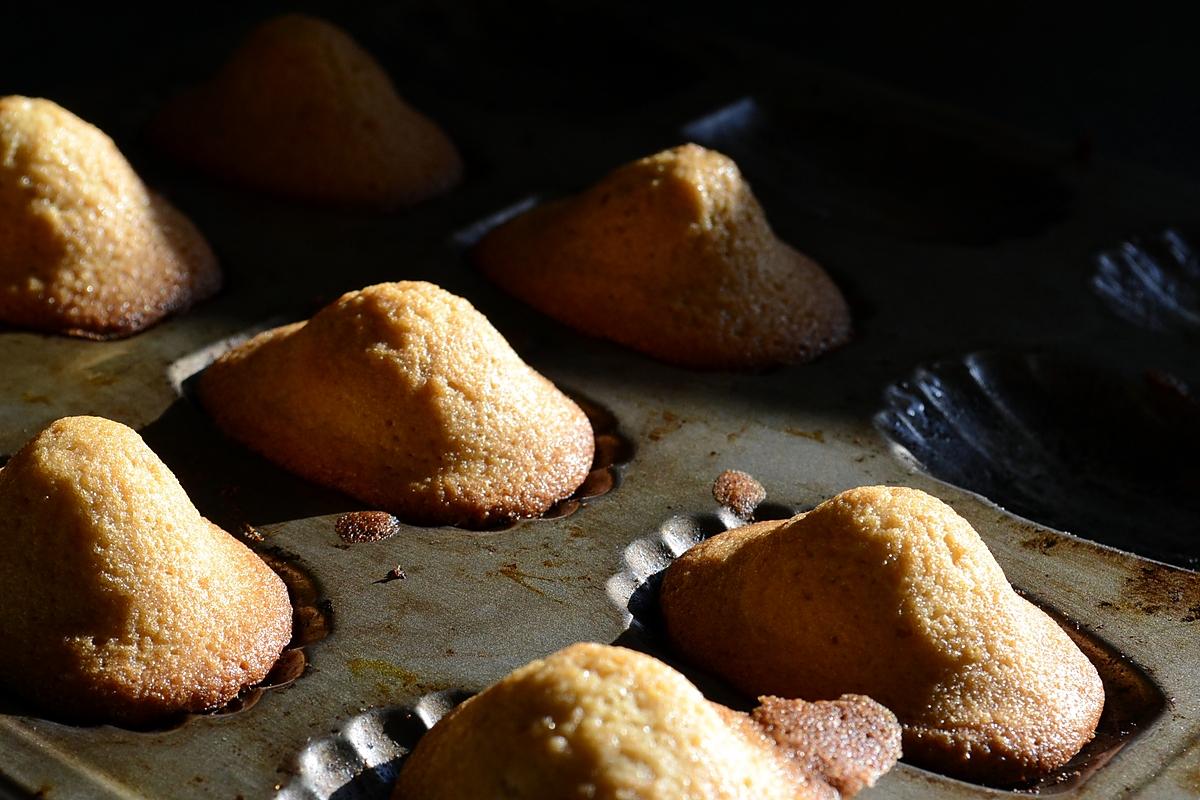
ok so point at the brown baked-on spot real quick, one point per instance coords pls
(847, 743)
(739, 492)
(357, 527)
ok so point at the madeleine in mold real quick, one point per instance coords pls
(606, 722)
(404, 396)
(302, 111)
(887, 592)
(85, 248)
(671, 255)
(121, 603)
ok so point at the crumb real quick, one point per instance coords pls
(846, 743)
(250, 533)
(366, 526)
(394, 574)
(739, 492)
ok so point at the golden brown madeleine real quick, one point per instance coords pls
(123, 604)
(671, 255)
(301, 110)
(404, 396)
(887, 592)
(85, 249)
(606, 722)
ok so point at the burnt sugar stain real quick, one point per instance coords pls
(514, 574)
(613, 450)
(816, 436)
(1132, 702)
(670, 423)
(312, 620)
(1157, 588)
(1042, 543)
(394, 675)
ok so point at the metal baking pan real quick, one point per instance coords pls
(967, 252)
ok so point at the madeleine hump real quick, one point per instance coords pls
(671, 255)
(122, 604)
(85, 248)
(405, 397)
(887, 592)
(600, 721)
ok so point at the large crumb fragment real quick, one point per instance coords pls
(739, 492)
(848, 742)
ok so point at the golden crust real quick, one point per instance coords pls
(886, 592)
(606, 722)
(123, 603)
(671, 255)
(85, 249)
(404, 396)
(301, 110)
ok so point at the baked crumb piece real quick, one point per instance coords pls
(739, 492)
(357, 527)
(848, 742)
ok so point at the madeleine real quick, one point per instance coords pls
(85, 248)
(405, 397)
(122, 604)
(302, 111)
(606, 722)
(671, 255)
(887, 592)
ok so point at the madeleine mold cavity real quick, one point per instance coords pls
(883, 172)
(1153, 282)
(634, 589)
(1095, 453)
(360, 759)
